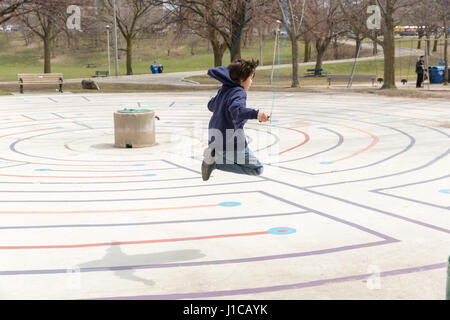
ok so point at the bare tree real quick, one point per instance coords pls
(198, 15)
(293, 12)
(390, 10)
(46, 19)
(323, 21)
(9, 9)
(132, 17)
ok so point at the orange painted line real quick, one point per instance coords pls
(109, 211)
(12, 134)
(71, 246)
(374, 142)
(299, 145)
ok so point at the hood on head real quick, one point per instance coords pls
(223, 75)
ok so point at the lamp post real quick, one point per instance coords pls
(108, 47)
(116, 55)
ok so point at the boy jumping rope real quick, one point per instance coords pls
(227, 144)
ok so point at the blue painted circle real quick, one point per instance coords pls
(447, 191)
(149, 175)
(43, 170)
(281, 231)
(327, 162)
(229, 204)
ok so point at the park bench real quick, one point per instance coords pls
(356, 78)
(312, 72)
(39, 79)
(92, 65)
(101, 74)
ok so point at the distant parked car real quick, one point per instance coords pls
(12, 28)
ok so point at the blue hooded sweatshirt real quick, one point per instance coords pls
(229, 107)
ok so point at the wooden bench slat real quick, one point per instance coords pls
(40, 79)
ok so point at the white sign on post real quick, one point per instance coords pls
(374, 21)
(74, 21)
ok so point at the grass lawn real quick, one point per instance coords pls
(375, 67)
(16, 58)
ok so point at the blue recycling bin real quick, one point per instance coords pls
(437, 74)
(156, 68)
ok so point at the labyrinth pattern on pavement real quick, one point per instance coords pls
(353, 202)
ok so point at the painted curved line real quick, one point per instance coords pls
(37, 130)
(411, 144)
(110, 211)
(68, 177)
(204, 263)
(340, 141)
(307, 139)
(120, 243)
(374, 142)
(131, 224)
(291, 286)
(97, 182)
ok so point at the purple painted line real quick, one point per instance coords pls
(340, 141)
(151, 223)
(12, 148)
(98, 182)
(351, 224)
(136, 199)
(133, 190)
(202, 263)
(28, 117)
(420, 223)
(410, 145)
(100, 171)
(293, 286)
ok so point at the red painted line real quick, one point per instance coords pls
(71, 246)
(299, 145)
(374, 142)
(109, 211)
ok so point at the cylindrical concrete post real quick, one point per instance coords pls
(134, 128)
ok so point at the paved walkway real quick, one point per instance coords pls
(353, 203)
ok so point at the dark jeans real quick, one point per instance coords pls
(231, 162)
(419, 80)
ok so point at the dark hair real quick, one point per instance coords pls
(242, 69)
(422, 56)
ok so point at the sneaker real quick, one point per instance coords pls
(208, 164)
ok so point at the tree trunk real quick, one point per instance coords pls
(129, 56)
(47, 54)
(295, 82)
(389, 48)
(335, 49)
(320, 48)
(219, 51)
(261, 42)
(235, 50)
(435, 45)
(307, 51)
(358, 43)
